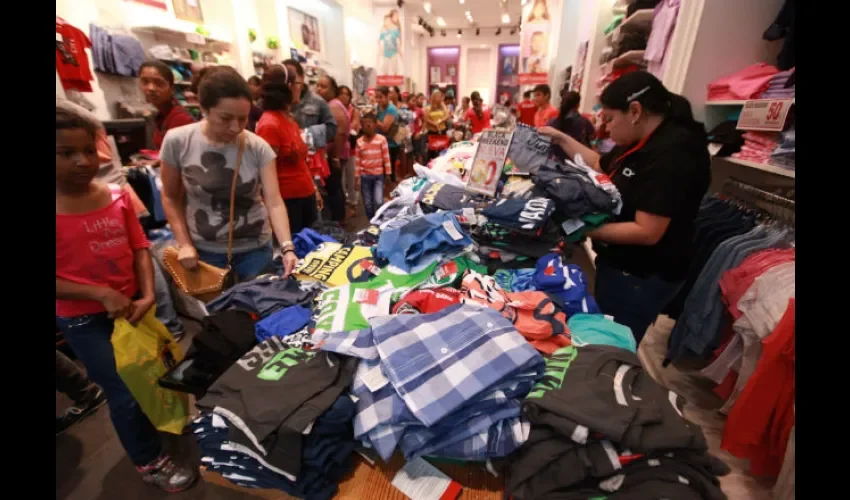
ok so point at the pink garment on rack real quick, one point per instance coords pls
(663, 22)
(748, 83)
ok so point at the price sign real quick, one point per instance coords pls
(766, 115)
(489, 161)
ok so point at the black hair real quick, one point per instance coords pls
(526, 94)
(345, 87)
(475, 95)
(256, 80)
(295, 64)
(334, 86)
(569, 102)
(161, 68)
(653, 96)
(369, 115)
(222, 82)
(543, 89)
(383, 90)
(198, 76)
(67, 120)
(277, 95)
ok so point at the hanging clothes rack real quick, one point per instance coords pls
(775, 206)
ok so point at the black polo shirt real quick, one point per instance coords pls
(667, 174)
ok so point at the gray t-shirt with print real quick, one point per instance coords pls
(207, 173)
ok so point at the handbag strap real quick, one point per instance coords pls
(233, 185)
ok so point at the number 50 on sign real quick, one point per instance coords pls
(767, 115)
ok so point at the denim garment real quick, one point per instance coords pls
(372, 191)
(247, 265)
(128, 54)
(282, 323)
(266, 294)
(422, 241)
(90, 338)
(528, 150)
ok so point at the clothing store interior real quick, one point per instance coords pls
(443, 249)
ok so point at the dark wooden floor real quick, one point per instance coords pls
(92, 465)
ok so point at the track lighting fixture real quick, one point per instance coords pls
(459, 33)
(443, 32)
(513, 31)
(477, 31)
(400, 3)
(498, 31)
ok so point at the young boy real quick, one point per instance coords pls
(545, 110)
(104, 271)
(371, 164)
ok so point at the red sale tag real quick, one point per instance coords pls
(603, 178)
(369, 297)
(766, 115)
(369, 266)
(447, 269)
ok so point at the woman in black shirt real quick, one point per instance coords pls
(661, 167)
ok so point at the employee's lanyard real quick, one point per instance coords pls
(619, 161)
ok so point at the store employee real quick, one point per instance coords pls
(157, 84)
(661, 167)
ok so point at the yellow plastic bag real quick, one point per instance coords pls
(143, 354)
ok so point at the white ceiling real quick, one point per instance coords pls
(485, 13)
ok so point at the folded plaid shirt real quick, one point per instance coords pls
(464, 364)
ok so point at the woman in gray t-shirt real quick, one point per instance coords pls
(198, 161)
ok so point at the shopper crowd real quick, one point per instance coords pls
(453, 326)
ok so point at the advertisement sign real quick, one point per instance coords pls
(304, 32)
(767, 115)
(390, 63)
(489, 161)
(534, 42)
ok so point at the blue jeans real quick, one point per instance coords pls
(247, 266)
(632, 301)
(372, 191)
(90, 339)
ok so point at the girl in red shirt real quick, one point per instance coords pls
(104, 271)
(279, 128)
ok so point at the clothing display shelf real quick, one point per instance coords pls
(765, 167)
(740, 102)
(186, 36)
(630, 57)
(641, 19)
(774, 206)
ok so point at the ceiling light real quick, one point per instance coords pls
(458, 33)
(523, 2)
(461, 1)
(441, 22)
(506, 18)
(427, 7)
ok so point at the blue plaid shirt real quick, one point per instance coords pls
(452, 382)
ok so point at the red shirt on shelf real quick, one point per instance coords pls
(282, 133)
(526, 110)
(72, 62)
(96, 248)
(175, 116)
(478, 124)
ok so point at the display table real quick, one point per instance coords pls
(373, 482)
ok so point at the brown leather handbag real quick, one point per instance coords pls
(206, 282)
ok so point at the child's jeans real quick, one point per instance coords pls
(372, 191)
(90, 338)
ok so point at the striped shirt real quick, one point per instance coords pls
(372, 157)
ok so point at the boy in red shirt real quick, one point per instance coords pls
(526, 109)
(545, 110)
(371, 164)
(478, 115)
(104, 271)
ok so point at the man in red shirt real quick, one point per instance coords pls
(157, 83)
(526, 109)
(545, 110)
(478, 115)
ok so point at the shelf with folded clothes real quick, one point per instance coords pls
(640, 20)
(185, 35)
(739, 102)
(766, 167)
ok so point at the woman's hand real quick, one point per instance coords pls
(320, 202)
(140, 308)
(188, 257)
(289, 261)
(116, 304)
(552, 132)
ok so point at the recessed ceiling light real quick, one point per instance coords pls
(506, 19)
(427, 7)
(441, 21)
(461, 1)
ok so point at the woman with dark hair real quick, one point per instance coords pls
(256, 86)
(406, 117)
(478, 115)
(198, 166)
(279, 128)
(157, 84)
(661, 167)
(571, 122)
(338, 148)
(387, 115)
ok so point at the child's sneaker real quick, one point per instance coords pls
(169, 476)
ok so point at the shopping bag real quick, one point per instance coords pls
(143, 354)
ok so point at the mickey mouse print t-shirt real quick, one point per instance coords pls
(207, 173)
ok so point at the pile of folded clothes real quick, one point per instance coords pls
(602, 428)
(749, 83)
(786, 151)
(757, 147)
(781, 86)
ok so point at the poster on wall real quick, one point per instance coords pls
(304, 31)
(390, 63)
(534, 42)
(157, 4)
(188, 10)
(489, 161)
(581, 60)
(507, 85)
